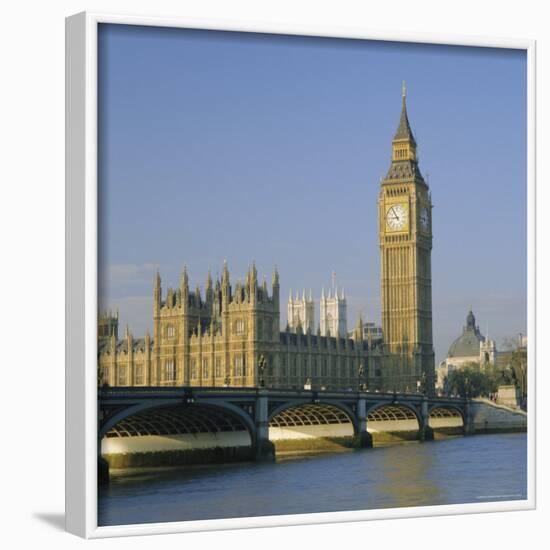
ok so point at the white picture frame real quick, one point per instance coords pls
(81, 276)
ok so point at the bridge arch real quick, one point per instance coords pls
(445, 416)
(175, 414)
(384, 411)
(309, 413)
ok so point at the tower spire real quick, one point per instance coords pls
(404, 131)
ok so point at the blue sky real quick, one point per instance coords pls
(270, 148)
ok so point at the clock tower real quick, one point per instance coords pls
(405, 234)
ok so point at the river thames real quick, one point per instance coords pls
(480, 468)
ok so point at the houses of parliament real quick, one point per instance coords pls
(230, 334)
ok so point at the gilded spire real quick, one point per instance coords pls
(404, 131)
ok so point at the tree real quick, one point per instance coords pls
(471, 381)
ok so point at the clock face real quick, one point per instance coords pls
(424, 219)
(396, 216)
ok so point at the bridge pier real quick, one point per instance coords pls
(363, 438)
(469, 428)
(425, 433)
(264, 450)
(102, 466)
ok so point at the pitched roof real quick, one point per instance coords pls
(404, 169)
(404, 129)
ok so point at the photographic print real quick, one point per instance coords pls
(312, 274)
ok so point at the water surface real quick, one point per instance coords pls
(478, 468)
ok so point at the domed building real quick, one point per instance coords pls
(470, 347)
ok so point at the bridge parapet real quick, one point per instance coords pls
(255, 407)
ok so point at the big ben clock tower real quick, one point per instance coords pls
(405, 229)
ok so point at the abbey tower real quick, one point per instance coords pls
(405, 237)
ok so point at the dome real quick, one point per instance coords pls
(467, 344)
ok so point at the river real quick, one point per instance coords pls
(478, 468)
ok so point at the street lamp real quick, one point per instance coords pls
(360, 373)
(262, 364)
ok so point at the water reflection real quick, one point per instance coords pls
(453, 471)
(406, 477)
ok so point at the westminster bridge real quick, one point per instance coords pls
(153, 411)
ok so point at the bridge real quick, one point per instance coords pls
(138, 411)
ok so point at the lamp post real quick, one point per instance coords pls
(361, 373)
(227, 381)
(262, 363)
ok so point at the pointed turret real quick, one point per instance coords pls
(226, 291)
(359, 331)
(252, 288)
(184, 278)
(404, 131)
(198, 300)
(275, 277)
(209, 292)
(225, 274)
(157, 292)
(404, 159)
(275, 288)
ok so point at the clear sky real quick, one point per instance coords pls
(270, 148)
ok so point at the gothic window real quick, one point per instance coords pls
(205, 368)
(293, 368)
(334, 373)
(323, 367)
(314, 367)
(238, 366)
(170, 331)
(169, 370)
(239, 326)
(194, 370)
(122, 375)
(269, 329)
(139, 378)
(218, 367)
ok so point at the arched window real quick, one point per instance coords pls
(170, 370)
(218, 368)
(122, 375)
(139, 374)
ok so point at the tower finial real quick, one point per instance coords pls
(404, 89)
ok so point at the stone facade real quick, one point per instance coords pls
(301, 312)
(220, 340)
(223, 337)
(333, 313)
(405, 225)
